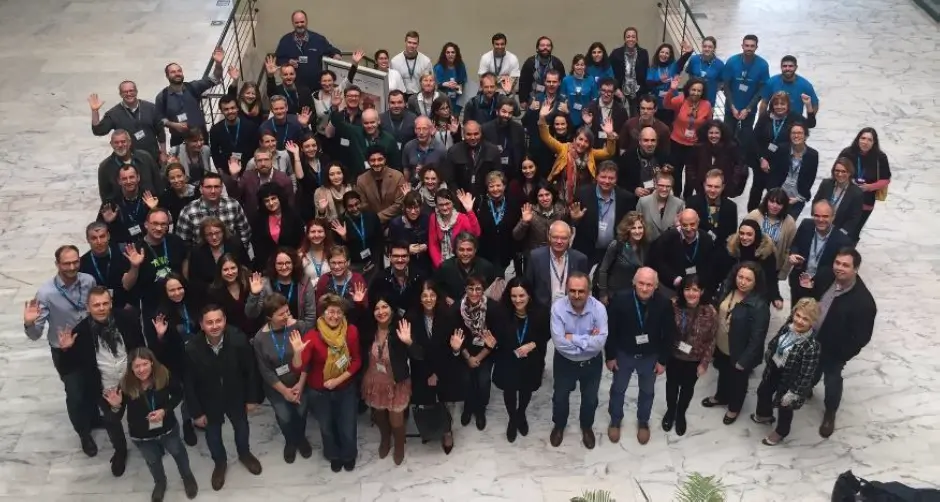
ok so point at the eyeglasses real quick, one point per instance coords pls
(474, 289)
(283, 264)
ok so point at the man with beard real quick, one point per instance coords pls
(232, 137)
(286, 127)
(125, 213)
(159, 254)
(243, 186)
(532, 75)
(131, 114)
(298, 95)
(398, 120)
(178, 103)
(122, 154)
(630, 132)
(361, 138)
(483, 107)
(605, 107)
(800, 90)
(304, 50)
(467, 163)
(509, 136)
(411, 64)
(743, 79)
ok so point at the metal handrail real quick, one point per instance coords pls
(238, 41)
(679, 23)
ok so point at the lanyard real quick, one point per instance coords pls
(498, 214)
(429, 325)
(540, 70)
(746, 69)
(443, 136)
(694, 251)
(859, 172)
(520, 333)
(151, 400)
(835, 200)
(301, 43)
(814, 250)
(238, 130)
(166, 253)
(360, 228)
(796, 163)
(601, 203)
(640, 316)
(422, 154)
(103, 279)
(281, 348)
(498, 64)
(131, 216)
(317, 266)
(286, 128)
(80, 306)
(186, 321)
(337, 290)
(411, 67)
(290, 291)
(682, 322)
(398, 285)
(287, 94)
(777, 128)
(564, 270)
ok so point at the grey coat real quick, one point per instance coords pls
(657, 223)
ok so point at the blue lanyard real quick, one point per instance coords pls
(360, 228)
(682, 322)
(423, 154)
(859, 172)
(492, 113)
(747, 69)
(777, 128)
(694, 251)
(128, 214)
(498, 214)
(601, 203)
(281, 348)
(317, 267)
(286, 128)
(781, 348)
(640, 318)
(238, 130)
(290, 291)
(103, 279)
(80, 306)
(542, 70)
(166, 252)
(287, 95)
(337, 290)
(152, 400)
(186, 322)
(520, 333)
(833, 200)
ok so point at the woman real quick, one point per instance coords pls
(382, 60)
(283, 387)
(341, 281)
(845, 197)
(497, 216)
(330, 357)
(696, 324)
(446, 223)
(180, 312)
(430, 184)
(771, 132)
(624, 256)
(707, 67)
(194, 155)
(421, 103)
(386, 387)
(451, 74)
(663, 69)
(438, 376)
(250, 106)
(531, 231)
(284, 275)
(749, 245)
(692, 111)
(231, 290)
(177, 195)
(447, 129)
(575, 164)
(276, 224)
(778, 225)
(791, 361)
(743, 317)
(873, 172)
(281, 160)
(412, 227)
(478, 318)
(202, 266)
(521, 188)
(794, 170)
(323, 103)
(579, 88)
(310, 171)
(520, 360)
(328, 199)
(716, 149)
(148, 393)
(544, 158)
(598, 64)
(313, 251)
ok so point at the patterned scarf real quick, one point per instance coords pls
(429, 198)
(474, 316)
(336, 348)
(447, 246)
(108, 333)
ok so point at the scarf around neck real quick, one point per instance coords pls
(336, 349)
(447, 247)
(474, 316)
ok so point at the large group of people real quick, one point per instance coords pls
(329, 258)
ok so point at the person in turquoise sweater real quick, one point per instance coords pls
(598, 64)
(579, 89)
(451, 74)
(663, 68)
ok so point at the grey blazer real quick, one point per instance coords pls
(539, 275)
(179, 151)
(656, 224)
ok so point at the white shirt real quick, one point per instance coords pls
(395, 81)
(411, 71)
(111, 366)
(508, 66)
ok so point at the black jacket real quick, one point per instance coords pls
(452, 279)
(292, 234)
(849, 214)
(849, 322)
(509, 138)
(438, 360)
(460, 171)
(527, 81)
(726, 221)
(375, 239)
(480, 110)
(671, 257)
(297, 99)
(618, 114)
(631, 168)
(224, 140)
(385, 285)
(496, 242)
(759, 145)
(780, 166)
(658, 325)
(403, 130)
(138, 427)
(223, 383)
(747, 329)
(731, 253)
(398, 353)
(108, 271)
(81, 357)
(497, 322)
(618, 63)
(585, 239)
(512, 373)
(803, 242)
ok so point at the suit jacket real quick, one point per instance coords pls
(849, 322)
(658, 324)
(585, 239)
(727, 217)
(804, 241)
(386, 204)
(780, 167)
(656, 222)
(618, 63)
(849, 214)
(510, 139)
(292, 233)
(538, 272)
(671, 258)
(461, 173)
(617, 113)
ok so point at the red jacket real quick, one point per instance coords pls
(465, 222)
(314, 357)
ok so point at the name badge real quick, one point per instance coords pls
(648, 184)
(381, 368)
(134, 230)
(155, 424)
(685, 348)
(712, 235)
(539, 88)
(602, 135)
(504, 161)
(689, 134)
(577, 90)
(302, 59)
(401, 312)
(500, 147)
(690, 270)
(181, 117)
(139, 135)
(399, 145)
(662, 93)
(860, 181)
(478, 341)
(772, 148)
(642, 339)
(282, 370)
(365, 254)
(344, 142)
(556, 296)
(704, 73)
(473, 179)
(577, 106)
(602, 226)
(366, 163)
(111, 292)
(237, 155)
(342, 362)
(779, 360)
(743, 87)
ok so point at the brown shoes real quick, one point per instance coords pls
(587, 437)
(251, 463)
(556, 436)
(399, 454)
(828, 424)
(613, 434)
(218, 476)
(643, 433)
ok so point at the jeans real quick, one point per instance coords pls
(479, 385)
(80, 398)
(830, 372)
(732, 383)
(336, 412)
(645, 367)
(681, 377)
(239, 421)
(291, 417)
(765, 407)
(153, 450)
(568, 374)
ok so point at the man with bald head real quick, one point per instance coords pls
(682, 251)
(424, 150)
(549, 266)
(642, 333)
(640, 163)
(363, 137)
(467, 163)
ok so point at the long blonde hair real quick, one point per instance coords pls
(159, 375)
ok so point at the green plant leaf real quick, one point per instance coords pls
(698, 488)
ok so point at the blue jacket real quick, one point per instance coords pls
(316, 48)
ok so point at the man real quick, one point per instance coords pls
(151, 177)
(411, 64)
(630, 63)
(844, 326)
(467, 163)
(125, 214)
(283, 126)
(178, 103)
(361, 232)
(61, 303)
(599, 208)
(304, 50)
(579, 332)
(398, 120)
(424, 150)
(482, 108)
(399, 283)
(361, 138)
(605, 107)
(105, 263)
(453, 273)
(718, 214)
(549, 94)
(642, 334)
(743, 77)
(682, 251)
(221, 381)
(297, 94)
(550, 265)
(813, 250)
(212, 203)
(98, 347)
(243, 186)
(159, 255)
(232, 137)
(801, 91)
(630, 132)
(131, 114)
(642, 162)
(509, 136)
(499, 61)
(381, 188)
(535, 69)
(661, 208)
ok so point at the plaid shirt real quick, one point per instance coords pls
(798, 371)
(228, 210)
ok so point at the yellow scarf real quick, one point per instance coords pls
(336, 348)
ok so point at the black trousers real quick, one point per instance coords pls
(765, 396)
(679, 154)
(81, 398)
(758, 185)
(732, 382)
(680, 385)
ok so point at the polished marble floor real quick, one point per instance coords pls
(872, 62)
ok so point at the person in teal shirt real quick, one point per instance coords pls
(664, 68)
(794, 85)
(451, 75)
(743, 77)
(598, 64)
(579, 89)
(707, 67)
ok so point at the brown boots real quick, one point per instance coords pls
(399, 455)
(387, 432)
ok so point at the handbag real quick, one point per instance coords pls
(432, 421)
(882, 193)
(851, 488)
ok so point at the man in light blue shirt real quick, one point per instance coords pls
(579, 332)
(743, 76)
(800, 90)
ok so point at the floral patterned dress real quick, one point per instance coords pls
(379, 389)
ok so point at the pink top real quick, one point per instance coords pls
(274, 227)
(466, 222)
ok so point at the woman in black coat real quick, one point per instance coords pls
(520, 360)
(844, 195)
(498, 215)
(200, 269)
(749, 244)
(277, 225)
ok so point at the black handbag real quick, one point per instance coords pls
(850, 488)
(432, 421)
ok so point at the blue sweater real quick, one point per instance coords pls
(314, 50)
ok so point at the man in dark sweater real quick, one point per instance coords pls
(178, 103)
(718, 214)
(136, 116)
(150, 175)
(683, 251)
